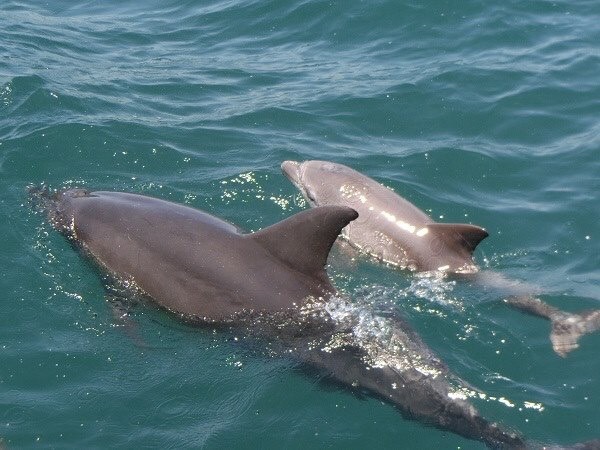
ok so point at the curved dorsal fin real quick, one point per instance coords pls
(303, 241)
(460, 234)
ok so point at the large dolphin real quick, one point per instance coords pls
(272, 281)
(195, 264)
(395, 231)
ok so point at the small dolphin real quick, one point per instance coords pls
(272, 282)
(389, 227)
(396, 232)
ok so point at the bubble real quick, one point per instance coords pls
(299, 200)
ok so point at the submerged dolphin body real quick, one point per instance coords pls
(396, 232)
(271, 282)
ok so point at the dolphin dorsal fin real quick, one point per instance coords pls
(303, 241)
(459, 234)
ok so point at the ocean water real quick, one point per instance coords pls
(480, 112)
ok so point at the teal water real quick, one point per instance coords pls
(485, 112)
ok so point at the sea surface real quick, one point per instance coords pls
(479, 112)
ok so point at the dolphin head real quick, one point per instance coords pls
(295, 171)
(320, 182)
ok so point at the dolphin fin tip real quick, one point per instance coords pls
(303, 240)
(567, 328)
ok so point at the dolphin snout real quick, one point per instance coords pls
(291, 169)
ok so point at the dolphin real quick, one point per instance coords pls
(195, 264)
(389, 227)
(272, 282)
(394, 231)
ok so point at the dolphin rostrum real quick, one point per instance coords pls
(272, 282)
(393, 230)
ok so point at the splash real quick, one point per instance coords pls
(387, 341)
(383, 343)
(435, 287)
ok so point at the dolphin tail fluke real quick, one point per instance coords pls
(567, 328)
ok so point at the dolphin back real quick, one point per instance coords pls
(193, 263)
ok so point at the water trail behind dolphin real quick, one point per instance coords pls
(566, 328)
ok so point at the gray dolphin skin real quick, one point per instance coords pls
(389, 227)
(394, 231)
(272, 282)
(196, 265)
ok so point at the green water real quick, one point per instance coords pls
(481, 112)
